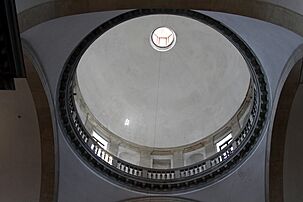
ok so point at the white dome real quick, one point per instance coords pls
(163, 99)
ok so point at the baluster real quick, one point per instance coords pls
(172, 175)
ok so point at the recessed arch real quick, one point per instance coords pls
(195, 158)
(256, 9)
(276, 143)
(45, 120)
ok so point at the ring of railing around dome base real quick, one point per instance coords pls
(159, 180)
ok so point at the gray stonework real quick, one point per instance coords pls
(273, 46)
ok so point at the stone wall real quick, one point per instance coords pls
(281, 12)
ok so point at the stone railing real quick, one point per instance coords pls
(159, 180)
(159, 174)
(205, 146)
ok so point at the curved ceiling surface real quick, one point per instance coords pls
(163, 99)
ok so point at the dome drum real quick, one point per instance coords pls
(201, 170)
(133, 153)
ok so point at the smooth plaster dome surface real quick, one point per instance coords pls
(170, 98)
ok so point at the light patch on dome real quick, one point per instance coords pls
(163, 39)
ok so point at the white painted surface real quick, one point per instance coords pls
(20, 164)
(194, 156)
(170, 98)
(129, 155)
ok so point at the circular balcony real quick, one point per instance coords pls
(214, 145)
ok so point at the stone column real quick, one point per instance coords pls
(210, 149)
(88, 125)
(178, 158)
(113, 147)
(145, 159)
(235, 126)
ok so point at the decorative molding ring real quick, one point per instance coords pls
(155, 180)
